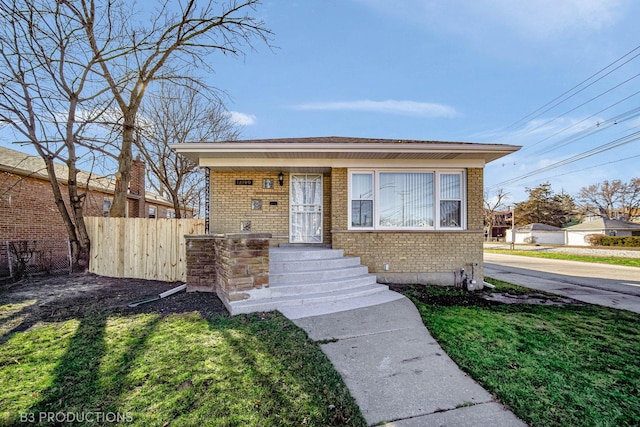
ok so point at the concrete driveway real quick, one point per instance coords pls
(603, 284)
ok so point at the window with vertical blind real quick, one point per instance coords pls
(450, 200)
(362, 199)
(407, 199)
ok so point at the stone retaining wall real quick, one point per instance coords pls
(228, 264)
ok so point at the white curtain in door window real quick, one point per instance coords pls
(306, 209)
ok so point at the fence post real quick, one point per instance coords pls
(69, 256)
(9, 259)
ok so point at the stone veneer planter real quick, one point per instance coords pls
(228, 264)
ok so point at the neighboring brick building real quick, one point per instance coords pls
(411, 210)
(27, 205)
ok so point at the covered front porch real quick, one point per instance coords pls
(291, 204)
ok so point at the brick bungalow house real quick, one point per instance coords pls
(410, 211)
(28, 208)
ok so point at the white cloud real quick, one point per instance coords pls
(531, 19)
(547, 18)
(412, 108)
(242, 119)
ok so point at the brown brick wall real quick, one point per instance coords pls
(28, 210)
(201, 266)
(231, 264)
(340, 198)
(475, 199)
(231, 204)
(427, 255)
(414, 252)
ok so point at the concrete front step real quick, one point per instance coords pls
(297, 289)
(300, 276)
(301, 254)
(252, 305)
(312, 264)
(310, 276)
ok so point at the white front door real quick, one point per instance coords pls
(305, 201)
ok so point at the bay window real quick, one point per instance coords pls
(406, 199)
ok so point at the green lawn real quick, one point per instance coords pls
(572, 365)
(629, 262)
(180, 370)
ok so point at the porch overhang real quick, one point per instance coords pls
(322, 154)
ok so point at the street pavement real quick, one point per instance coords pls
(603, 284)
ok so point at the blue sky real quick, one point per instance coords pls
(452, 70)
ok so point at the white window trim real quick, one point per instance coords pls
(463, 195)
(374, 197)
(436, 205)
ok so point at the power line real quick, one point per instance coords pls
(582, 121)
(600, 127)
(552, 104)
(581, 105)
(597, 150)
(583, 169)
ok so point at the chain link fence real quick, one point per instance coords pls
(27, 258)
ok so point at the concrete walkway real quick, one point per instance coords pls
(397, 373)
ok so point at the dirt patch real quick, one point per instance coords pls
(533, 299)
(60, 298)
(484, 298)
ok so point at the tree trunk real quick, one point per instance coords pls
(81, 258)
(123, 176)
(80, 245)
(176, 207)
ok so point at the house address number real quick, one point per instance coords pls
(244, 182)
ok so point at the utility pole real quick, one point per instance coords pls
(513, 228)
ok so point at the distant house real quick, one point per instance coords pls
(577, 234)
(537, 233)
(27, 203)
(501, 222)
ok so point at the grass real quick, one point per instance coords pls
(629, 262)
(179, 370)
(572, 365)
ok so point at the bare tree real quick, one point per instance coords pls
(612, 199)
(133, 55)
(50, 99)
(176, 115)
(492, 205)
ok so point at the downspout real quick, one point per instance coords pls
(159, 296)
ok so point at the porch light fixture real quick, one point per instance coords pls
(281, 179)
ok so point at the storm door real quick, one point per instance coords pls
(305, 201)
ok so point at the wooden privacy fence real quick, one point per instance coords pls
(141, 248)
